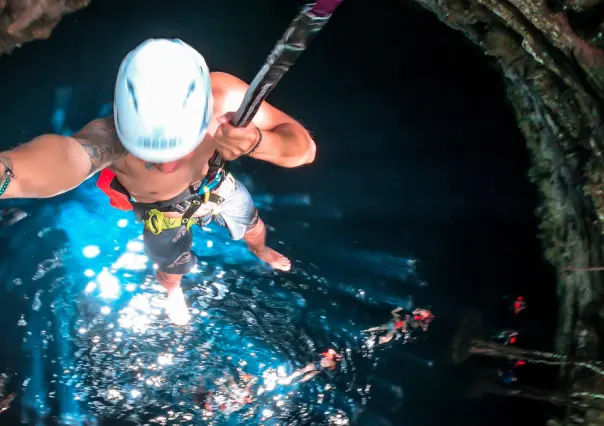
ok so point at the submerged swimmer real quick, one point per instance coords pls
(242, 394)
(329, 361)
(229, 394)
(170, 115)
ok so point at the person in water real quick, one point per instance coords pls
(398, 324)
(421, 318)
(401, 320)
(329, 361)
(229, 396)
(506, 337)
(170, 115)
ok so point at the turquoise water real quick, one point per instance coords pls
(96, 325)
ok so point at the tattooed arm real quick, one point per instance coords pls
(52, 164)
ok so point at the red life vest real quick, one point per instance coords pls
(118, 196)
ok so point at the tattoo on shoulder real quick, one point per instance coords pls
(99, 139)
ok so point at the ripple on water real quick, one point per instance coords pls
(249, 328)
(134, 364)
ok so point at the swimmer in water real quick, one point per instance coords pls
(201, 395)
(421, 318)
(242, 395)
(398, 324)
(506, 337)
(230, 394)
(401, 321)
(519, 305)
(329, 361)
(170, 116)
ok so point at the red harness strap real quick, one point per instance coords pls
(118, 197)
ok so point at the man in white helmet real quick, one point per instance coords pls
(170, 115)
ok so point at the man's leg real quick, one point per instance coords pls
(239, 214)
(171, 252)
(256, 242)
(383, 327)
(170, 282)
(388, 337)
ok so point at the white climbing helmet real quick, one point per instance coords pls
(163, 100)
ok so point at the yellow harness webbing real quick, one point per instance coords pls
(156, 222)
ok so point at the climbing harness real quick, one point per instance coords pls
(152, 215)
(156, 222)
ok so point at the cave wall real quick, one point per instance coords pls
(550, 54)
(22, 21)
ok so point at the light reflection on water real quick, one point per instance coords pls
(96, 322)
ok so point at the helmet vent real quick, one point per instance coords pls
(117, 119)
(189, 93)
(130, 86)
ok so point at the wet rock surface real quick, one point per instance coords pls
(551, 56)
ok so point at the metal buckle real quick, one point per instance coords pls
(179, 208)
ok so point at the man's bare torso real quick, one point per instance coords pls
(148, 185)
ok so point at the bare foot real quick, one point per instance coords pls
(177, 307)
(274, 259)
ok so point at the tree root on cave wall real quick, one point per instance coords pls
(22, 21)
(551, 54)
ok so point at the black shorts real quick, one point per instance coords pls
(171, 250)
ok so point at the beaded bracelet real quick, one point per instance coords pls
(9, 174)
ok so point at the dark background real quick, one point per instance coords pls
(418, 154)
